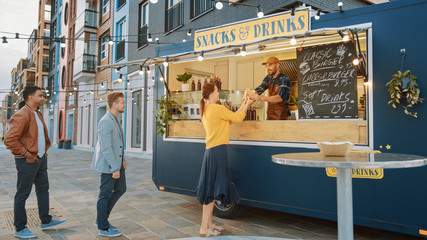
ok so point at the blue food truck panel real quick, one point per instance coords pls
(397, 202)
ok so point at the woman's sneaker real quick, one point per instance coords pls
(25, 233)
(109, 233)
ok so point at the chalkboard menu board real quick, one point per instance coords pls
(327, 82)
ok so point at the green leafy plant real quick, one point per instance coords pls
(164, 114)
(404, 91)
(184, 77)
(295, 99)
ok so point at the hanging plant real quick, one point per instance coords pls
(404, 91)
(164, 114)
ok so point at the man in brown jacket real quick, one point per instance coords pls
(28, 140)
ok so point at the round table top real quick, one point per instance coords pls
(352, 160)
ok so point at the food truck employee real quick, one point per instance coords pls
(279, 90)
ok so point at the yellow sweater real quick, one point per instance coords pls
(216, 120)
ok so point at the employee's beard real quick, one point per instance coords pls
(273, 73)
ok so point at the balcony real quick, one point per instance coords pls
(88, 63)
(199, 7)
(120, 50)
(86, 21)
(84, 67)
(90, 18)
(142, 36)
(175, 17)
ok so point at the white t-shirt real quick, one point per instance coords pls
(41, 138)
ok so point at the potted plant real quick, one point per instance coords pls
(61, 143)
(67, 143)
(164, 114)
(404, 91)
(184, 79)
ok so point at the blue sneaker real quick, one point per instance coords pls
(53, 223)
(111, 226)
(109, 233)
(25, 233)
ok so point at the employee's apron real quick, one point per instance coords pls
(276, 111)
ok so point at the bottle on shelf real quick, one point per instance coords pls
(219, 84)
(253, 113)
(193, 86)
(199, 85)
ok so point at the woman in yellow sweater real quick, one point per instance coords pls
(214, 182)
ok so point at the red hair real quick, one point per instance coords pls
(207, 89)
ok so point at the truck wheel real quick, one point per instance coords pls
(227, 211)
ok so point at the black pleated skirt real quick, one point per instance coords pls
(214, 181)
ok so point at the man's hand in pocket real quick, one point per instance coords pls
(30, 158)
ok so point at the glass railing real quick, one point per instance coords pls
(90, 18)
(142, 36)
(88, 63)
(175, 15)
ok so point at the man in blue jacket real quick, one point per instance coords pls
(108, 159)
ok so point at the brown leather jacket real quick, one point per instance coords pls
(22, 135)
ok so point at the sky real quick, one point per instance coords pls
(16, 16)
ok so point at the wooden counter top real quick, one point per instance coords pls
(294, 131)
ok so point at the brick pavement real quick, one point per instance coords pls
(144, 212)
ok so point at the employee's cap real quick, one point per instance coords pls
(271, 60)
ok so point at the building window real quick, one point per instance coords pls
(136, 119)
(66, 14)
(198, 7)
(120, 3)
(143, 24)
(81, 125)
(174, 15)
(88, 124)
(105, 6)
(60, 125)
(121, 33)
(104, 46)
(63, 78)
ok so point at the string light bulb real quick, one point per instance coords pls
(200, 57)
(292, 14)
(260, 13)
(189, 32)
(165, 63)
(293, 40)
(356, 61)
(150, 39)
(4, 39)
(218, 5)
(340, 7)
(243, 51)
(344, 36)
(148, 69)
(153, 1)
(63, 45)
(111, 41)
(120, 78)
(141, 70)
(317, 16)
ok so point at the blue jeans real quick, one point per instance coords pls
(29, 174)
(110, 192)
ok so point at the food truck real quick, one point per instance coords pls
(339, 93)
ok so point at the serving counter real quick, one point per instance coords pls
(289, 131)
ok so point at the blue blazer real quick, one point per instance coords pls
(108, 154)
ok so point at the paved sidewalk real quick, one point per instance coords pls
(144, 212)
